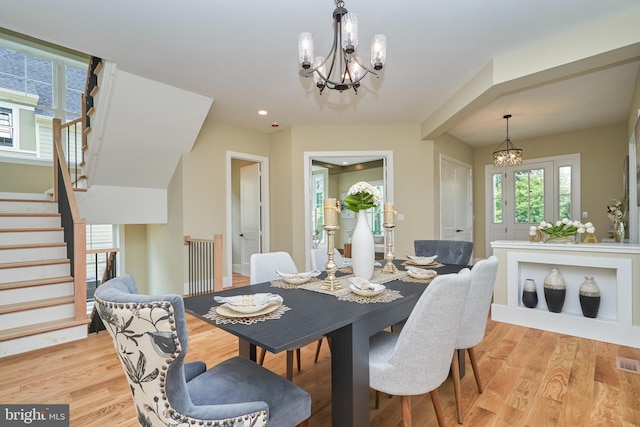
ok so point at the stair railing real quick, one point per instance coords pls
(205, 264)
(74, 226)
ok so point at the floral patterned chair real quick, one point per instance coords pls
(150, 338)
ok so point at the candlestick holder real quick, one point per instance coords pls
(389, 267)
(331, 283)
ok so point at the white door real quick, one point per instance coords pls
(456, 200)
(250, 214)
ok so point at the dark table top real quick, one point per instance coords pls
(313, 314)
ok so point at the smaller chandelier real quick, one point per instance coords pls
(341, 69)
(509, 155)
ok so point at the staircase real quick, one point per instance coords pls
(36, 287)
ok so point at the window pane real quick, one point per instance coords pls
(75, 84)
(497, 198)
(529, 196)
(564, 192)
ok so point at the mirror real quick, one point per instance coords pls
(330, 174)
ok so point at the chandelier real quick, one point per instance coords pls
(341, 69)
(509, 155)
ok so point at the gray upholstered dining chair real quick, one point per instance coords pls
(417, 360)
(150, 337)
(474, 321)
(448, 251)
(262, 268)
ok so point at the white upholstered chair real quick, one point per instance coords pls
(448, 251)
(319, 258)
(262, 268)
(417, 360)
(474, 321)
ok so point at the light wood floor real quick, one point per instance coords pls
(532, 378)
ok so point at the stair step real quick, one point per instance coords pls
(33, 270)
(36, 282)
(32, 252)
(39, 328)
(32, 305)
(35, 290)
(94, 90)
(31, 235)
(16, 318)
(29, 220)
(28, 205)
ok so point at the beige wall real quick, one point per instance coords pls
(602, 152)
(135, 255)
(21, 178)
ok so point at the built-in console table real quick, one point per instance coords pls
(614, 266)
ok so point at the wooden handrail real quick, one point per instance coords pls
(75, 226)
(101, 251)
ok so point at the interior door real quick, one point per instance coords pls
(456, 201)
(250, 214)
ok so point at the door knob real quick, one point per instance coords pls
(241, 234)
(458, 230)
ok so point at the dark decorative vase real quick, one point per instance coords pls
(589, 297)
(529, 294)
(555, 290)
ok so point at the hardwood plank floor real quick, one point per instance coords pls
(531, 378)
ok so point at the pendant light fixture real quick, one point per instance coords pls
(509, 155)
(341, 69)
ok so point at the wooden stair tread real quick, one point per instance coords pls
(98, 68)
(34, 263)
(36, 282)
(39, 328)
(27, 229)
(27, 200)
(30, 305)
(94, 90)
(30, 214)
(33, 246)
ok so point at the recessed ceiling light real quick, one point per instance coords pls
(262, 112)
(345, 163)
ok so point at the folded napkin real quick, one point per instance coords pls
(304, 275)
(422, 272)
(422, 258)
(362, 284)
(249, 300)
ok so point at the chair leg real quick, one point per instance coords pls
(290, 365)
(406, 411)
(474, 365)
(377, 400)
(436, 406)
(263, 352)
(318, 347)
(455, 373)
(298, 358)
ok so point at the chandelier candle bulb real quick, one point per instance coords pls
(330, 212)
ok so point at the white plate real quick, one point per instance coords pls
(227, 311)
(367, 292)
(422, 260)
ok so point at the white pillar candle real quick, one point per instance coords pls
(389, 213)
(330, 212)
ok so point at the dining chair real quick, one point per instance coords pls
(150, 336)
(319, 258)
(262, 268)
(449, 251)
(474, 321)
(417, 360)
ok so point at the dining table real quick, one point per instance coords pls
(311, 316)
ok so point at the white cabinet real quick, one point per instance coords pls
(612, 268)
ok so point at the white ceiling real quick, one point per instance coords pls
(244, 55)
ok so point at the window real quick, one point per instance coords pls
(376, 214)
(496, 197)
(319, 192)
(37, 84)
(529, 195)
(564, 192)
(6, 127)
(99, 236)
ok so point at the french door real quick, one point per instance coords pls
(538, 190)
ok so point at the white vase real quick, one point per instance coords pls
(362, 248)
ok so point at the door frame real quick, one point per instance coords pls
(264, 195)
